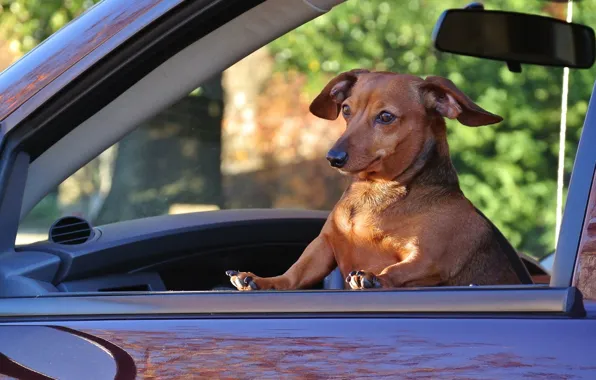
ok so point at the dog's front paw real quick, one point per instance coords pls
(362, 280)
(242, 280)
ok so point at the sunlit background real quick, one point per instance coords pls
(246, 139)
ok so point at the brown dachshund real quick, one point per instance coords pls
(403, 221)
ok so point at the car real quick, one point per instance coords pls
(146, 296)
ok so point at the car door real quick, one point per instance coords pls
(511, 333)
(530, 331)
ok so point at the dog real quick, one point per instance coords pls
(403, 221)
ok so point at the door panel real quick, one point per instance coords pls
(45, 352)
(415, 348)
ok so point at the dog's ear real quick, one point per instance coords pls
(443, 96)
(327, 104)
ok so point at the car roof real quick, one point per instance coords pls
(61, 58)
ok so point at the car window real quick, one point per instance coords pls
(245, 138)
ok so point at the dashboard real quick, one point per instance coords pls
(186, 252)
(170, 252)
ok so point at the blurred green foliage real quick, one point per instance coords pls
(509, 170)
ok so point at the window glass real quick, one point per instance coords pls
(245, 138)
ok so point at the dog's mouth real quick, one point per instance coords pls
(378, 159)
(365, 169)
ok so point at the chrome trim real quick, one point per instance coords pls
(495, 300)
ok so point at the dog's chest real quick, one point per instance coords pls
(363, 212)
(362, 242)
(354, 223)
(364, 231)
(360, 226)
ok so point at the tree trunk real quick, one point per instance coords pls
(174, 158)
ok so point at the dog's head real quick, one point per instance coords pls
(390, 117)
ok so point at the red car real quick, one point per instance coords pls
(106, 297)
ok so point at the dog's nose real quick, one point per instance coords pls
(337, 158)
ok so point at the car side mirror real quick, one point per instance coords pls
(515, 38)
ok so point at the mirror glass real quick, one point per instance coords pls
(515, 38)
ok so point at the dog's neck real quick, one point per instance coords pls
(432, 166)
(432, 169)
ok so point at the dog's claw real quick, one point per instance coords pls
(242, 280)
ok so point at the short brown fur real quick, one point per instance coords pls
(403, 221)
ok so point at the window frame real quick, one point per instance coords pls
(576, 205)
(519, 302)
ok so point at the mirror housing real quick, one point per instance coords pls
(515, 38)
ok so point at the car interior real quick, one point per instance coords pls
(185, 252)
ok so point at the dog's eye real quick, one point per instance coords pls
(345, 109)
(385, 117)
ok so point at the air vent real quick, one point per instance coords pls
(71, 230)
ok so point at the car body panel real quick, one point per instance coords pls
(60, 59)
(88, 358)
(345, 347)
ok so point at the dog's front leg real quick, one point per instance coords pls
(414, 271)
(316, 262)
(410, 273)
